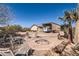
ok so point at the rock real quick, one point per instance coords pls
(61, 47)
(76, 47)
(54, 53)
(44, 53)
(61, 35)
(30, 52)
(68, 51)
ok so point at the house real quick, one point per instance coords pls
(35, 28)
(40, 28)
(46, 27)
(51, 27)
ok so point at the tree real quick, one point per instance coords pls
(5, 15)
(14, 28)
(68, 21)
(75, 16)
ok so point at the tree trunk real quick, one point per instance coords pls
(76, 38)
(70, 35)
(12, 45)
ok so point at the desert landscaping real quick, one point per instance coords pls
(47, 39)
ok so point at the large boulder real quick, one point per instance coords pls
(71, 50)
(59, 49)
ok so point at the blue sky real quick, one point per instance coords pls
(27, 14)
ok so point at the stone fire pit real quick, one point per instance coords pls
(42, 42)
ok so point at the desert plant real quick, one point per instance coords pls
(75, 16)
(68, 21)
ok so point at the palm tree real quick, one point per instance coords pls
(68, 21)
